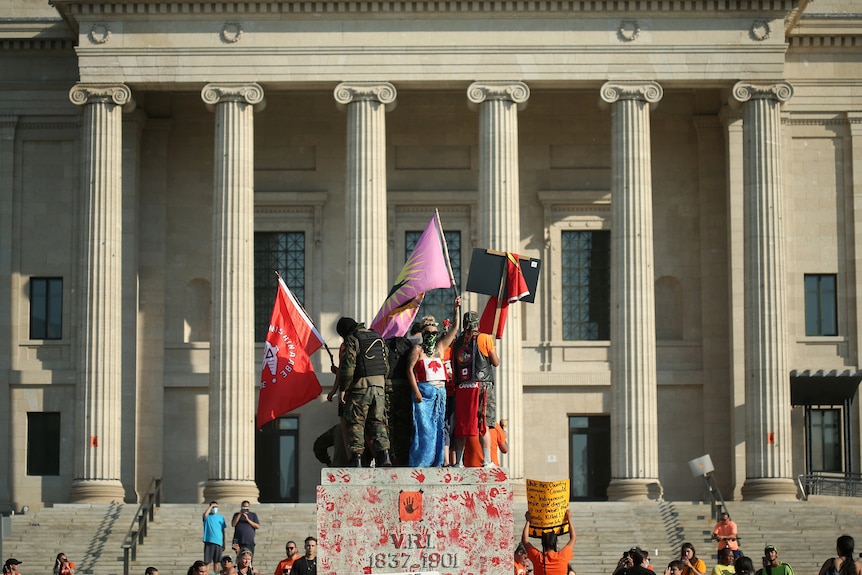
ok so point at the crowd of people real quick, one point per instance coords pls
(425, 399)
(551, 560)
(245, 523)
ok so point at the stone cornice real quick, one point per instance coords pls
(72, 10)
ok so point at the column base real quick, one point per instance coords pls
(634, 490)
(97, 491)
(769, 488)
(230, 491)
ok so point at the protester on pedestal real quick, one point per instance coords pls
(475, 356)
(427, 375)
(361, 382)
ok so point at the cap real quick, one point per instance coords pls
(12, 561)
(769, 548)
(471, 320)
(346, 326)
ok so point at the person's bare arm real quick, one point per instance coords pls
(453, 331)
(572, 535)
(525, 535)
(503, 438)
(494, 357)
(411, 375)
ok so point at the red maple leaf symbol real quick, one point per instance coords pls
(435, 366)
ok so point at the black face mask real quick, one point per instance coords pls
(429, 343)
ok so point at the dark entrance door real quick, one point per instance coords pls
(589, 457)
(276, 461)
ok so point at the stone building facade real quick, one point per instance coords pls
(687, 171)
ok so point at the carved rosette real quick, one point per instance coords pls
(118, 94)
(349, 92)
(213, 94)
(745, 91)
(517, 92)
(651, 92)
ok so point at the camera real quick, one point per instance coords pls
(626, 554)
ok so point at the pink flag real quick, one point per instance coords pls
(425, 269)
(287, 378)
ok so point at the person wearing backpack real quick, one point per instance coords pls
(771, 565)
(399, 395)
(361, 381)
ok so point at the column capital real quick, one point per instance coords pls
(119, 94)
(744, 91)
(647, 91)
(252, 93)
(517, 92)
(349, 92)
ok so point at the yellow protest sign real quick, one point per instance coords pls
(547, 502)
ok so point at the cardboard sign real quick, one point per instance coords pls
(547, 502)
(488, 269)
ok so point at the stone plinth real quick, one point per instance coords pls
(396, 520)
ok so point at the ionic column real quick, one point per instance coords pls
(634, 413)
(366, 281)
(232, 361)
(500, 229)
(767, 377)
(98, 435)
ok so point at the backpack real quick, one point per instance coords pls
(399, 352)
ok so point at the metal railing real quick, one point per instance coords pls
(138, 530)
(824, 483)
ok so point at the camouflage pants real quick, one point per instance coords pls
(364, 414)
(399, 414)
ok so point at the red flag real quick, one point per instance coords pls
(287, 378)
(516, 288)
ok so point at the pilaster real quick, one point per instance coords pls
(500, 229)
(8, 126)
(634, 413)
(767, 388)
(98, 448)
(366, 244)
(732, 120)
(232, 362)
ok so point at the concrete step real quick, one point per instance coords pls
(92, 535)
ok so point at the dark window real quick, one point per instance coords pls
(43, 443)
(438, 302)
(821, 304)
(282, 252)
(586, 258)
(46, 308)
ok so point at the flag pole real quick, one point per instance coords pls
(445, 250)
(308, 317)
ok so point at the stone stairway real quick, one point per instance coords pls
(92, 535)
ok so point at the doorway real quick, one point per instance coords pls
(276, 465)
(589, 457)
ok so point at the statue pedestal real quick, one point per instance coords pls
(402, 519)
